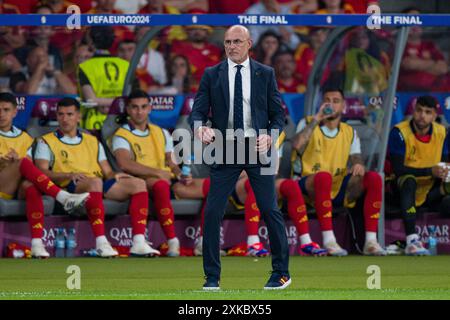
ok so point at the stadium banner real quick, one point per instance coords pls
(394, 230)
(232, 233)
(119, 233)
(166, 109)
(76, 20)
(404, 103)
(41, 106)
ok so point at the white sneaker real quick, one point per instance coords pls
(394, 250)
(174, 247)
(75, 200)
(335, 250)
(198, 249)
(105, 250)
(39, 251)
(416, 248)
(143, 249)
(373, 248)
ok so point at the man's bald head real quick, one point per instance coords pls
(237, 43)
(239, 28)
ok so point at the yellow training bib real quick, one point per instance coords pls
(77, 158)
(422, 155)
(148, 150)
(328, 154)
(20, 144)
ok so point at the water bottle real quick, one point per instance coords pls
(90, 253)
(71, 243)
(432, 241)
(186, 169)
(60, 243)
(328, 109)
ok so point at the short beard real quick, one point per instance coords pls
(418, 126)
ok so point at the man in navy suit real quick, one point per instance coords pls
(240, 95)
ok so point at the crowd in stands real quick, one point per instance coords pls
(45, 60)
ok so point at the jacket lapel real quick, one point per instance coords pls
(254, 82)
(224, 84)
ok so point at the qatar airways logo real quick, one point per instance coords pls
(21, 102)
(442, 235)
(49, 236)
(162, 102)
(377, 102)
(291, 234)
(193, 233)
(123, 236)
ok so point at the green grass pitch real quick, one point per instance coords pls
(242, 278)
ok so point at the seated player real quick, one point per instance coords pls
(76, 160)
(324, 146)
(416, 147)
(24, 179)
(145, 150)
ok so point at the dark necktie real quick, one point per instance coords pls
(238, 111)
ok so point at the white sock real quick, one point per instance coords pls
(36, 242)
(411, 237)
(62, 196)
(371, 236)
(138, 238)
(305, 238)
(173, 240)
(199, 239)
(251, 240)
(328, 236)
(100, 240)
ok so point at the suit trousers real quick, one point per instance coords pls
(223, 181)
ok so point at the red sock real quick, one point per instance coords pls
(322, 200)
(252, 214)
(205, 190)
(35, 211)
(40, 180)
(96, 213)
(372, 203)
(163, 207)
(139, 211)
(290, 190)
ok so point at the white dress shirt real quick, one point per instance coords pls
(246, 85)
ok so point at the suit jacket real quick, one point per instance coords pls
(213, 98)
